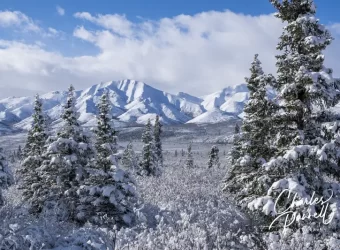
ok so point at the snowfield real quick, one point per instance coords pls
(182, 209)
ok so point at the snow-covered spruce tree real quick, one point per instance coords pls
(19, 153)
(303, 162)
(29, 178)
(6, 177)
(148, 166)
(252, 148)
(66, 155)
(107, 193)
(12, 157)
(157, 132)
(213, 157)
(235, 151)
(129, 158)
(190, 159)
(237, 129)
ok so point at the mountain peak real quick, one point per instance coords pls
(132, 102)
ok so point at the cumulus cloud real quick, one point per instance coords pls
(60, 11)
(53, 33)
(116, 23)
(17, 19)
(197, 54)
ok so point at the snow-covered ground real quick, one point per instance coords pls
(184, 208)
(176, 136)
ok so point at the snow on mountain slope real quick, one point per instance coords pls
(189, 98)
(189, 105)
(212, 116)
(235, 103)
(215, 100)
(133, 102)
(9, 117)
(230, 99)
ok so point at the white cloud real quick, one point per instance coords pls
(196, 54)
(116, 23)
(84, 34)
(53, 33)
(60, 11)
(17, 19)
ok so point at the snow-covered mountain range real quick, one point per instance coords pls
(133, 102)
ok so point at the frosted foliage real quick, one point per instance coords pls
(184, 209)
(6, 177)
(65, 157)
(107, 198)
(158, 143)
(33, 151)
(108, 194)
(149, 163)
(19, 231)
(129, 158)
(106, 139)
(214, 159)
(251, 147)
(305, 160)
(296, 154)
(190, 158)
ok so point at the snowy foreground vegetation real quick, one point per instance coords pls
(181, 209)
(278, 188)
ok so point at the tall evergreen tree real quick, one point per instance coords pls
(33, 151)
(235, 152)
(147, 165)
(303, 161)
(302, 82)
(66, 155)
(6, 177)
(214, 159)
(108, 192)
(19, 153)
(190, 159)
(158, 143)
(237, 129)
(252, 148)
(129, 157)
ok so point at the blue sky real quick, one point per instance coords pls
(49, 44)
(45, 11)
(151, 9)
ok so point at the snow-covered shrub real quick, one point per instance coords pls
(184, 209)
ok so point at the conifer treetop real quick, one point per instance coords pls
(105, 131)
(106, 139)
(289, 10)
(300, 66)
(71, 126)
(147, 137)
